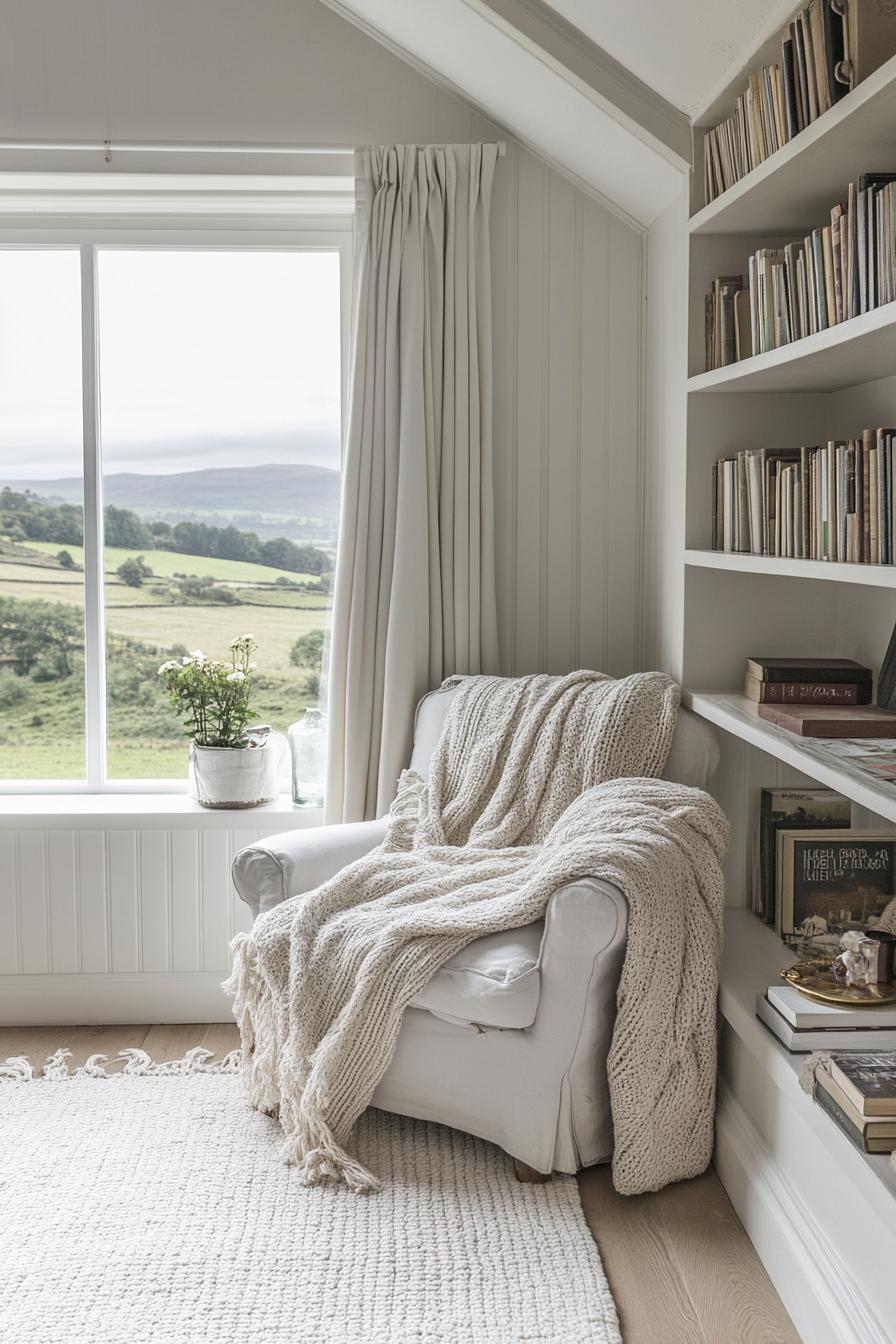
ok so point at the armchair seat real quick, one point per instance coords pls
(493, 982)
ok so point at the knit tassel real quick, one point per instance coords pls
(819, 1059)
(253, 1009)
(136, 1064)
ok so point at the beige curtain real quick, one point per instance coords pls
(414, 596)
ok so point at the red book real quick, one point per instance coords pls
(806, 692)
(832, 721)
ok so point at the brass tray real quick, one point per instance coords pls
(816, 980)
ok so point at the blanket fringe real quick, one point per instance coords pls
(136, 1063)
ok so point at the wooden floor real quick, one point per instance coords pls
(681, 1268)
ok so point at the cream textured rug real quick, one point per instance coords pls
(149, 1206)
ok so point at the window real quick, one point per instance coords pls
(176, 410)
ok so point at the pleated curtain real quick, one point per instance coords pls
(414, 597)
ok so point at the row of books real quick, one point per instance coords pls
(829, 501)
(839, 270)
(828, 48)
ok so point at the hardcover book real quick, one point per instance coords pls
(806, 692)
(808, 669)
(832, 720)
(833, 883)
(869, 1081)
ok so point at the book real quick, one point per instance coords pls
(791, 810)
(866, 1142)
(868, 1080)
(813, 1015)
(802, 1041)
(808, 669)
(832, 720)
(807, 692)
(829, 884)
(867, 39)
(876, 1127)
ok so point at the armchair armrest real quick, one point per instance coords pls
(281, 866)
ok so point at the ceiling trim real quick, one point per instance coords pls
(599, 74)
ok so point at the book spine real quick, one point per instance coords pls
(810, 693)
(840, 1118)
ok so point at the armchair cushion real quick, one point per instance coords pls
(493, 982)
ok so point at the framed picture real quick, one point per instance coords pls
(834, 881)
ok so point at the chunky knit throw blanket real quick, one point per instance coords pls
(535, 782)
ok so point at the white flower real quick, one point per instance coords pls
(237, 676)
(171, 664)
(198, 655)
(185, 661)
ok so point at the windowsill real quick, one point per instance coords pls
(130, 811)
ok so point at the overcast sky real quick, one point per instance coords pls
(206, 359)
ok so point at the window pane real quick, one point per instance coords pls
(220, 395)
(41, 516)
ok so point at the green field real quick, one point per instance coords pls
(165, 564)
(42, 721)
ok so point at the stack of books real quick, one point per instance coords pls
(802, 1025)
(828, 48)
(839, 270)
(817, 697)
(858, 1091)
(807, 681)
(825, 502)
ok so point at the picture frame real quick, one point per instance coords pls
(833, 881)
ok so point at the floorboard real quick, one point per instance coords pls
(680, 1265)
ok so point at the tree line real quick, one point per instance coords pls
(24, 516)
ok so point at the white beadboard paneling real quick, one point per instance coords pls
(183, 899)
(214, 900)
(35, 934)
(63, 905)
(127, 915)
(10, 963)
(90, 846)
(568, 451)
(152, 900)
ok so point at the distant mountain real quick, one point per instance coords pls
(272, 489)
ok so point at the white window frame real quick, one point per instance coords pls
(159, 212)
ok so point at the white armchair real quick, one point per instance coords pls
(509, 1040)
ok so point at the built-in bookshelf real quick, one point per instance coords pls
(717, 608)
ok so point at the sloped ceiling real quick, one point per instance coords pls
(570, 103)
(686, 50)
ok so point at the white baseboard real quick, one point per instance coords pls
(811, 1279)
(90, 1000)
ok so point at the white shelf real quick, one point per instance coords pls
(738, 715)
(795, 189)
(852, 352)
(753, 955)
(736, 562)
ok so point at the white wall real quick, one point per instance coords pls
(567, 272)
(116, 925)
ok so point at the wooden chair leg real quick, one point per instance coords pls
(528, 1174)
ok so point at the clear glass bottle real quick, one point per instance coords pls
(308, 748)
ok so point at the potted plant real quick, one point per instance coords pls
(231, 764)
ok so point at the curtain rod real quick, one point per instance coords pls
(107, 147)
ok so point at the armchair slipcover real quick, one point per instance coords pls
(509, 1040)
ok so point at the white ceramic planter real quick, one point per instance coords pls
(237, 776)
